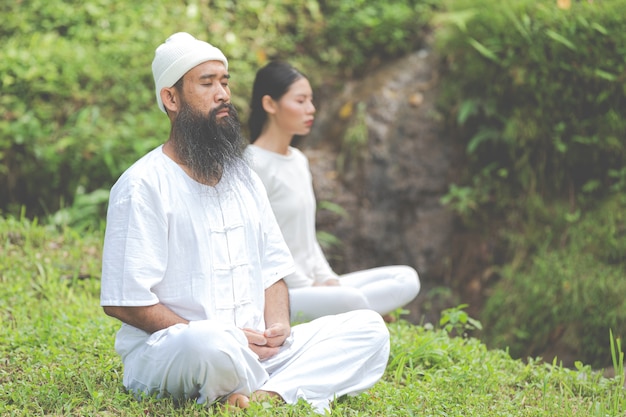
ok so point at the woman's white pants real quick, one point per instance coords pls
(382, 289)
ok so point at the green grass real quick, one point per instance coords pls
(57, 356)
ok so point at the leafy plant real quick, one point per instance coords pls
(77, 90)
(536, 90)
(568, 291)
(456, 321)
(617, 356)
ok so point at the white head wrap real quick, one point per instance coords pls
(177, 55)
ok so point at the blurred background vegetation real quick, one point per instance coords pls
(534, 91)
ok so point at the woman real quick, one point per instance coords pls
(281, 108)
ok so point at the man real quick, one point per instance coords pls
(194, 261)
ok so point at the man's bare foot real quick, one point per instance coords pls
(389, 318)
(238, 400)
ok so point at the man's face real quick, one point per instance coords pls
(208, 142)
(205, 87)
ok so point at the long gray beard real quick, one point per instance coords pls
(210, 148)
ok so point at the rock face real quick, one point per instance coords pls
(378, 150)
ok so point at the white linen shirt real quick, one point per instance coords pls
(204, 252)
(289, 185)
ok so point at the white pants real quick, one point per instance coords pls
(207, 361)
(382, 289)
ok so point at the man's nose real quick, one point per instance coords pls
(222, 94)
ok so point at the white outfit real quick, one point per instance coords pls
(209, 253)
(288, 182)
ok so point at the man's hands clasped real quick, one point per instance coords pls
(268, 343)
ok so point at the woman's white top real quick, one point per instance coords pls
(289, 185)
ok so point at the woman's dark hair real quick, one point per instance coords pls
(272, 80)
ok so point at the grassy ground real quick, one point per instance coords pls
(57, 357)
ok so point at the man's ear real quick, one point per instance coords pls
(170, 99)
(269, 105)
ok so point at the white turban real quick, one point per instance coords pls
(177, 55)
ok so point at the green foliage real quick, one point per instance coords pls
(538, 91)
(78, 100)
(75, 112)
(360, 33)
(617, 357)
(58, 356)
(86, 211)
(460, 377)
(354, 142)
(571, 294)
(456, 321)
(327, 240)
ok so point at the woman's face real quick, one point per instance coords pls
(295, 109)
